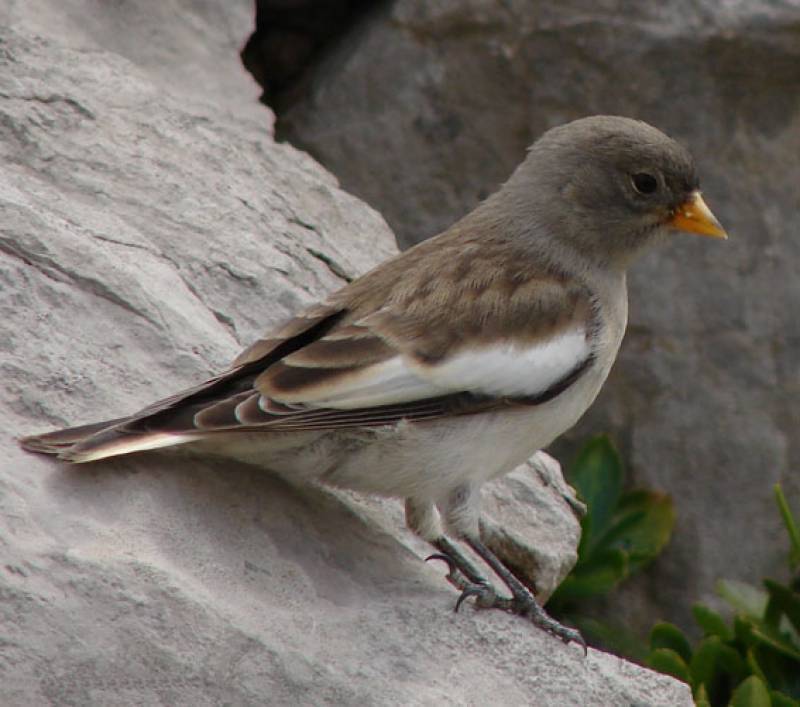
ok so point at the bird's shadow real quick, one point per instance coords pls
(211, 517)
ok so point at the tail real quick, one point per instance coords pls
(100, 440)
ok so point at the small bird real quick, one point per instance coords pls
(453, 362)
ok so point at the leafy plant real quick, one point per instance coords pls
(622, 532)
(752, 661)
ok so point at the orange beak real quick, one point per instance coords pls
(694, 216)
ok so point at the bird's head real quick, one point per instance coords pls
(610, 186)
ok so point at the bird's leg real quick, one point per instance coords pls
(462, 574)
(423, 519)
(461, 514)
(523, 602)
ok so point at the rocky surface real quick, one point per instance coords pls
(185, 46)
(427, 106)
(147, 232)
(289, 38)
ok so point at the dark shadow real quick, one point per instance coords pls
(247, 519)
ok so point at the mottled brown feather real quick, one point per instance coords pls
(290, 383)
(290, 329)
(220, 414)
(249, 412)
(340, 352)
(504, 306)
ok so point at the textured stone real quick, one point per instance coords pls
(524, 537)
(186, 46)
(291, 35)
(146, 234)
(424, 109)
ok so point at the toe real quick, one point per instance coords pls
(484, 593)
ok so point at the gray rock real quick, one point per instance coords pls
(147, 234)
(189, 48)
(429, 105)
(524, 537)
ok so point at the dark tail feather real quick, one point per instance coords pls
(60, 441)
(101, 440)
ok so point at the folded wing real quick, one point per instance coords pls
(347, 363)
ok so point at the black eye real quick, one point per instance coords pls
(644, 183)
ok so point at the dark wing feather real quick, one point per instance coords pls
(394, 313)
(176, 413)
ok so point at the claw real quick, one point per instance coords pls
(451, 566)
(577, 638)
(523, 602)
(569, 635)
(484, 594)
(464, 577)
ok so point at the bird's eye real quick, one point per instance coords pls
(644, 183)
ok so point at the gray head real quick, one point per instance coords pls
(609, 186)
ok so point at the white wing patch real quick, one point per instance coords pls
(383, 383)
(511, 370)
(501, 369)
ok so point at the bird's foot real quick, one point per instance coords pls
(522, 601)
(525, 604)
(463, 576)
(461, 572)
(484, 593)
(481, 589)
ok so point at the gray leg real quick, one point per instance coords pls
(462, 574)
(423, 519)
(461, 515)
(523, 602)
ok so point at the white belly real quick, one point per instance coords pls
(429, 459)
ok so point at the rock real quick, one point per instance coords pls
(186, 48)
(289, 37)
(148, 233)
(423, 109)
(527, 516)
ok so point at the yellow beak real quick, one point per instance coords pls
(694, 216)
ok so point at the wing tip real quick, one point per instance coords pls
(58, 441)
(95, 450)
(38, 444)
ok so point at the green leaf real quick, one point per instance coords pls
(768, 636)
(743, 627)
(666, 635)
(598, 576)
(613, 638)
(717, 666)
(597, 476)
(780, 700)
(755, 667)
(711, 622)
(751, 693)
(782, 601)
(743, 597)
(642, 526)
(791, 527)
(778, 671)
(701, 697)
(667, 661)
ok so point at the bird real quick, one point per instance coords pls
(453, 362)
